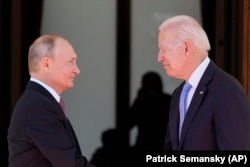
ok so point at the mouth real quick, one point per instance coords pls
(72, 78)
(165, 65)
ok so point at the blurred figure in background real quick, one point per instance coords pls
(112, 153)
(149, 112)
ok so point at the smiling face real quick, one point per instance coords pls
(172, 54)
(183, 45)
(62, 68)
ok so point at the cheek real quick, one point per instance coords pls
(180, 66)
(175, 63)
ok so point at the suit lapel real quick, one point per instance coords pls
(174, 121)
(73, 137)
(42, 90)
(192, 110)
(67, 123)
(197, 99)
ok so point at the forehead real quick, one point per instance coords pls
(165, 38)
(64, 47)
(166, 35)
(62, 43)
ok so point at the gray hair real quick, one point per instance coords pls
(41, 47)
(186, 27)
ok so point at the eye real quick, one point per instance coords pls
(163, 50)
(72, 61)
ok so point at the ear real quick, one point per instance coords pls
(45, 63)
(187, 46)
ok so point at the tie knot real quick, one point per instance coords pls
(187, 86)
(61, 102)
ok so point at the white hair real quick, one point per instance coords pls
(186, 27)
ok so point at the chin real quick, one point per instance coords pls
(70, 86)
(170, 74)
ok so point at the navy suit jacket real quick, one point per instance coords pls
(39, 133)
(218, 117)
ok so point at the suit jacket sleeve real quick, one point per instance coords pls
(168, 144)
(231, 120)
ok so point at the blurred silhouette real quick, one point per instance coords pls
(112, 153)
(149, 112)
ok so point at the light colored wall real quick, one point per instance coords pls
(147, 15)
(90, 26)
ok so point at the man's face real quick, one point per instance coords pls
(63, 67)
(171, 54)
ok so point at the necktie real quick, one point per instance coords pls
(183, 104)
(77, 146)
(62, 104)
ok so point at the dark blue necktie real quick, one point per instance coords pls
(183, 104)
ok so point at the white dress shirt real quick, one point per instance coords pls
(195, 79)
(48, 88)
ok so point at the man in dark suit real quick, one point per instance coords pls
(217, 108)
(40, 133)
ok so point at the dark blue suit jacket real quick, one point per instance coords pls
(218, 117)
(39, 133)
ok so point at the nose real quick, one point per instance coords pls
(77, 70)
(160, 57)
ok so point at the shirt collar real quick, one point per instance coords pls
(197, 74)
(48, 88)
